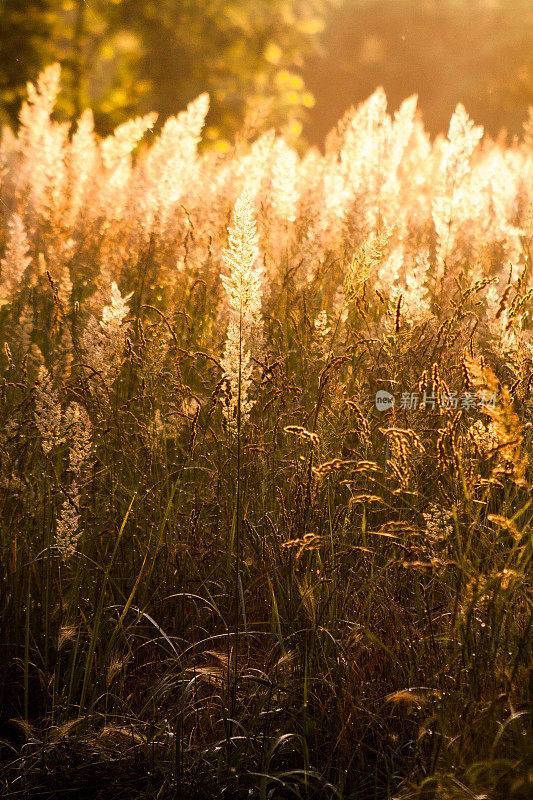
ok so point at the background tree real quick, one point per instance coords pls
(125, 57)
(100, 58)
(242, 52)
(25, 27)
(128, 56)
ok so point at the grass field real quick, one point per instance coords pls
(265, 461)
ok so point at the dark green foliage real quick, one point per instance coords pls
(25, 30)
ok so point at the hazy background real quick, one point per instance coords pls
(477, 52)
(297, 63)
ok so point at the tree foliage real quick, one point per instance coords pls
(263, 58)
(126, 56)
(25, 27)
(243, 52)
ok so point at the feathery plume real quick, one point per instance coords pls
(243, 286)
(116, 156)
(171, 166)
(78, 430)
(43, 143)
(15, 261)
(237, 367)
(67, 525)
(285, 193)
(47, 414)
(321, 332)
(367, 258)
(463, 138)
(117, 147)
(103, 341)
(83, 162)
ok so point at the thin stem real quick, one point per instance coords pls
(237, 522)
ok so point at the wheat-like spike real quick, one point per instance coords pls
(365, 260)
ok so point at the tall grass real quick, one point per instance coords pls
(226, 572)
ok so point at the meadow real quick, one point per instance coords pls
(265, 460)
